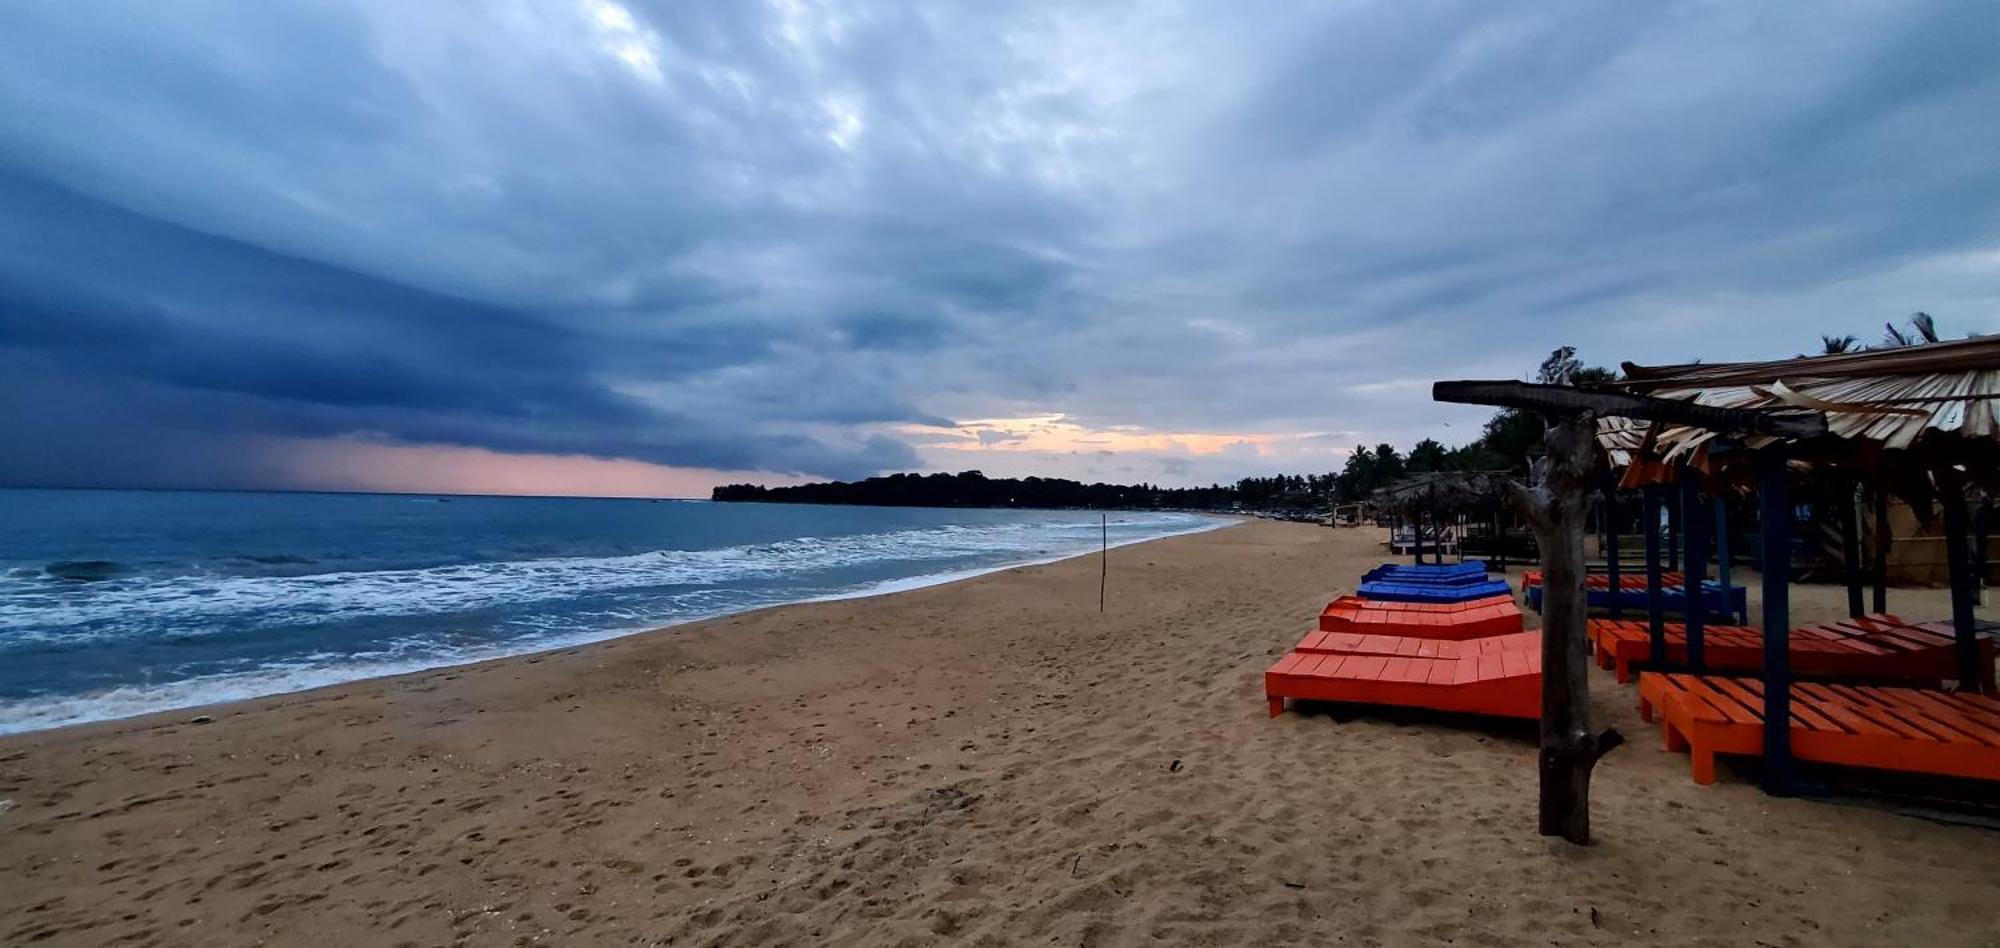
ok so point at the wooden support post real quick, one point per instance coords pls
(1694, 564)
(1417, 538)
(1958, 561)
(1612, 567)
(1879, 570)
(1850, 548)
(1556, 508)
(1775, 508)
(1656, 620)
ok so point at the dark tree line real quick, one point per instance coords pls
(1504, 444)
(974, 489)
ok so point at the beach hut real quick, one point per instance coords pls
(1461, 512)
(1572, 467)
(1918, 422)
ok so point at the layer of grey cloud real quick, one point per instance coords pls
(761, 236)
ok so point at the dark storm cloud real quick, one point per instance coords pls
(767, 236)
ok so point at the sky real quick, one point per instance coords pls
(603, 247)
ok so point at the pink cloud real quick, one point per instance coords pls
(342, 464)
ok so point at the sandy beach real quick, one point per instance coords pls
(986, 762)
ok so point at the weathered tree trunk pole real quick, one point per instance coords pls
(1556, 509)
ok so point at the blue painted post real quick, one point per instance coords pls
(1880, 566)
(1611, 565)
(1673, 535)
(1850, 549)
(1656, 622)
(1722, 562)
(1776, 512)
(1958, 562)
(1695, 563)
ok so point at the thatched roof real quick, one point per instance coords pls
(1940, 400)
(1443, 492)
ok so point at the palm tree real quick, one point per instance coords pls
(1836, 345)
(1924, 332)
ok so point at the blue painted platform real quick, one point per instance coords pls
(1395, 591)
(1470, 571)
(1725, 605)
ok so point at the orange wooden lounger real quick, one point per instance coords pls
(1506, 682)
(1879, 647)
(1907, 729)
(1479, 618)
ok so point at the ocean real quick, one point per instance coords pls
(115, 603)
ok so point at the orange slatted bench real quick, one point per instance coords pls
(1354, 643)
(1506, 682)
(1879, 647)
(1908, 729)
(1479, 618)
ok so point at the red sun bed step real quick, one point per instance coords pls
(1503, 681)
(1479, 618)
(1404, 646)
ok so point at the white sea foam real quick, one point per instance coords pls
(338, 595)
(194, 605)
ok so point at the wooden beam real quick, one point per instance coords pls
(1570, 747)
(1563, 399)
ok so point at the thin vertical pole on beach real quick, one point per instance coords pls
(1776, 513)
(1103, 557)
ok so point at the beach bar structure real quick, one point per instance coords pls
(1920, 422)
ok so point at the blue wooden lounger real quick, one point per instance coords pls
(1393, 591)
(1730, 604)
(1470, 571)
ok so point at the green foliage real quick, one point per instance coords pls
(1428, 456)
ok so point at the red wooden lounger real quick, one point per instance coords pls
(1879, 647)
(1405, 646)
(1479, 618)
(1908, 729)
(1505, 682)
